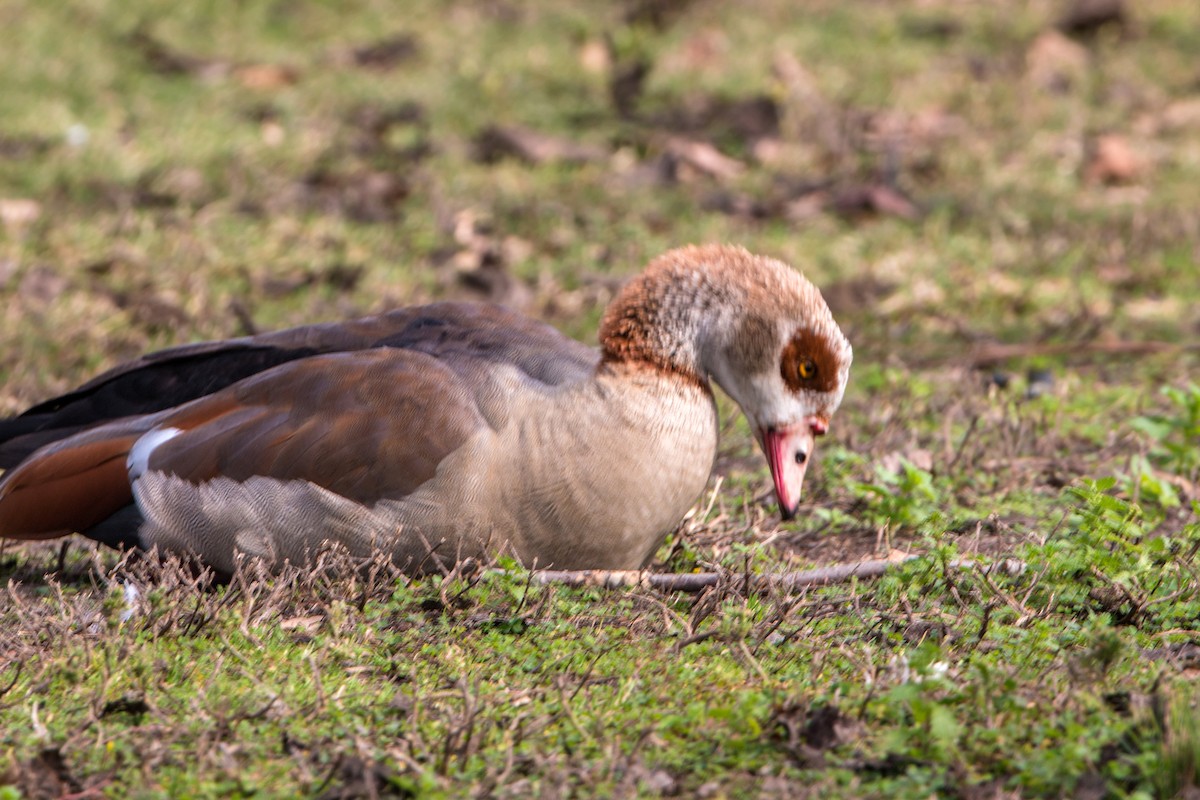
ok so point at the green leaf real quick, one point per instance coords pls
(944, 727)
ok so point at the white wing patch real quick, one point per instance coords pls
(139, 455)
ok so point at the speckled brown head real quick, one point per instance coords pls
(756, 327)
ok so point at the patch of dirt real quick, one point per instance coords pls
(992, 537)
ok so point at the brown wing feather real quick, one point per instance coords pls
(65, 489)
(368, 425)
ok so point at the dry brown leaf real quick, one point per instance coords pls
(18, 212)
(919, 458)
(168, 60)
(806, 206)
(858, 200)
(1182, 115)
(594, 57)
(707, 49)
(273, 134)
(704, 158)
(1114, 161)
(1154, 309)
(918, 293)
(266, 76)
(308, 625)
(499, 141)
(1055, 62)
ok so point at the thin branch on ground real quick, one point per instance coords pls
(990, 355)
(698, 581)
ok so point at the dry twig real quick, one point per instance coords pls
(992, 354)
(698, 581)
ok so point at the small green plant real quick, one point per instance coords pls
(1148, 486)
(927, 700)
(1105, 560)
(904, 496)
(1176, 436)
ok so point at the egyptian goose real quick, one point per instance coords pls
(440, 432)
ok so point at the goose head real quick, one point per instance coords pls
(790, 395)
(758, 329)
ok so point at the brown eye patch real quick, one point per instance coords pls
(808, 363)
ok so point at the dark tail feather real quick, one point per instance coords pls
(152, 383)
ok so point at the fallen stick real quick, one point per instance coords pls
(990, 355)
(698, 581)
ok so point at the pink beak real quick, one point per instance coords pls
(788, 450)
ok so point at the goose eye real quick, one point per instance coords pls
(808, 363)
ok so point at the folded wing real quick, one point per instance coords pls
(366, 410)
(465, 336)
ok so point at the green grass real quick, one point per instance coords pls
(192, 205)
